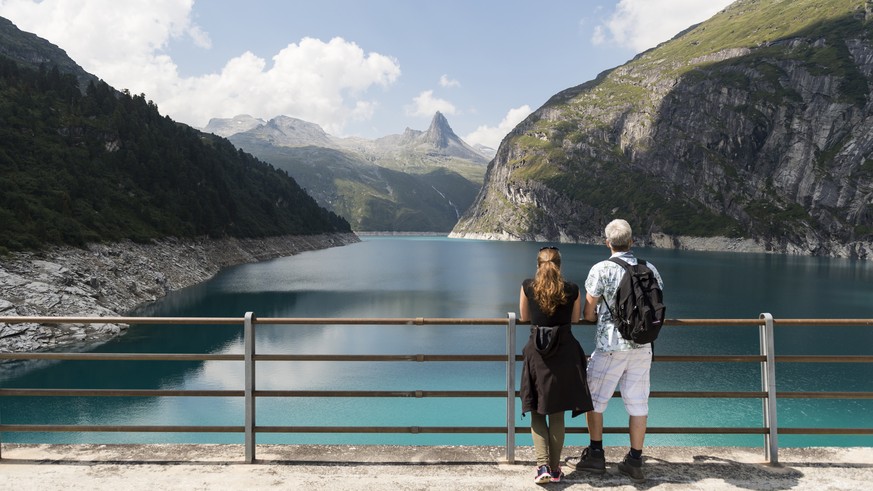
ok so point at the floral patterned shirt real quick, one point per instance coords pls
(603, 280)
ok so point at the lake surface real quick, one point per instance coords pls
(440, 277)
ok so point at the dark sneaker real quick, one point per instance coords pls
(590, 461)
(557, 475)
(632, 468)
(544, 475)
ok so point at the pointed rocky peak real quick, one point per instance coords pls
(440, 133)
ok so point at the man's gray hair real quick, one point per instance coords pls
(619, 234)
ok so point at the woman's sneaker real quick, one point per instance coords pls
(632, 468)
(557, 475)
(590, 461)
(544, 475)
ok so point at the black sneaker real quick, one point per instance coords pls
(590, 461)
(632, 468)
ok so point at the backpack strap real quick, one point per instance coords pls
(621, 263)
(627, 270)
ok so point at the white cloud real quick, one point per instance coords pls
(447, 82)
(324, 83)
(122, 42)
(643, 24)
(492, 136)
(425, 104)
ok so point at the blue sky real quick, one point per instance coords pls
(365, 68)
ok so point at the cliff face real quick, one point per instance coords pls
(754, 126)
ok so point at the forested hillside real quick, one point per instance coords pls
(92, 165)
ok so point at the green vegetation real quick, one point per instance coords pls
(754, 23)
(865, 170)
(371, 197)
(639, 198)
(758, 25)
(772, 218)
(101, 166)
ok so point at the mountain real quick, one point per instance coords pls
(417, 181)
(752, 126)
(32, 51)
(82, 164)
(232, 126)
(439, 139)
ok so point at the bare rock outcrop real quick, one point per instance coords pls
(111, 279)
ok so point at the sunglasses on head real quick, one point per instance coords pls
(549, 247)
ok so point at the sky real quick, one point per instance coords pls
(366, 68)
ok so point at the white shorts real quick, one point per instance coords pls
(630, 369)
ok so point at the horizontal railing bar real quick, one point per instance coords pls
(496, 321)
(9, 392)
(485, 393)
(710, 358)
(825, 395)
(340, 357)
(119, 393)
(823, 322)
(120, 320)
(704, 395)
(825, 431)
(411, 429)
(119, 429)
(123, 356)
(416, 394)
(495, 429)
(710, 322)
(690, 430)
(380, 429)
(825, 358)
(418, 357)
(358, 393)
(415, 321)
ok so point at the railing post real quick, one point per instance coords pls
(249, 357)
(768, 384)
(510, 388)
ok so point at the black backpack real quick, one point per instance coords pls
(639, 303)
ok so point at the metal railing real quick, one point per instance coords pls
(767, 360)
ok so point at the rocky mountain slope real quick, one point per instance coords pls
(754, 127)
(35, 52)
(417, 181)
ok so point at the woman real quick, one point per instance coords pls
(553, 377)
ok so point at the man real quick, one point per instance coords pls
(615, 361)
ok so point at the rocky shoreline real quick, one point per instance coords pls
(810, 247)
(111, 279)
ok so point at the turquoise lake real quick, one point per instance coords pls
(440, 277)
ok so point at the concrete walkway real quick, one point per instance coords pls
(207, 467)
